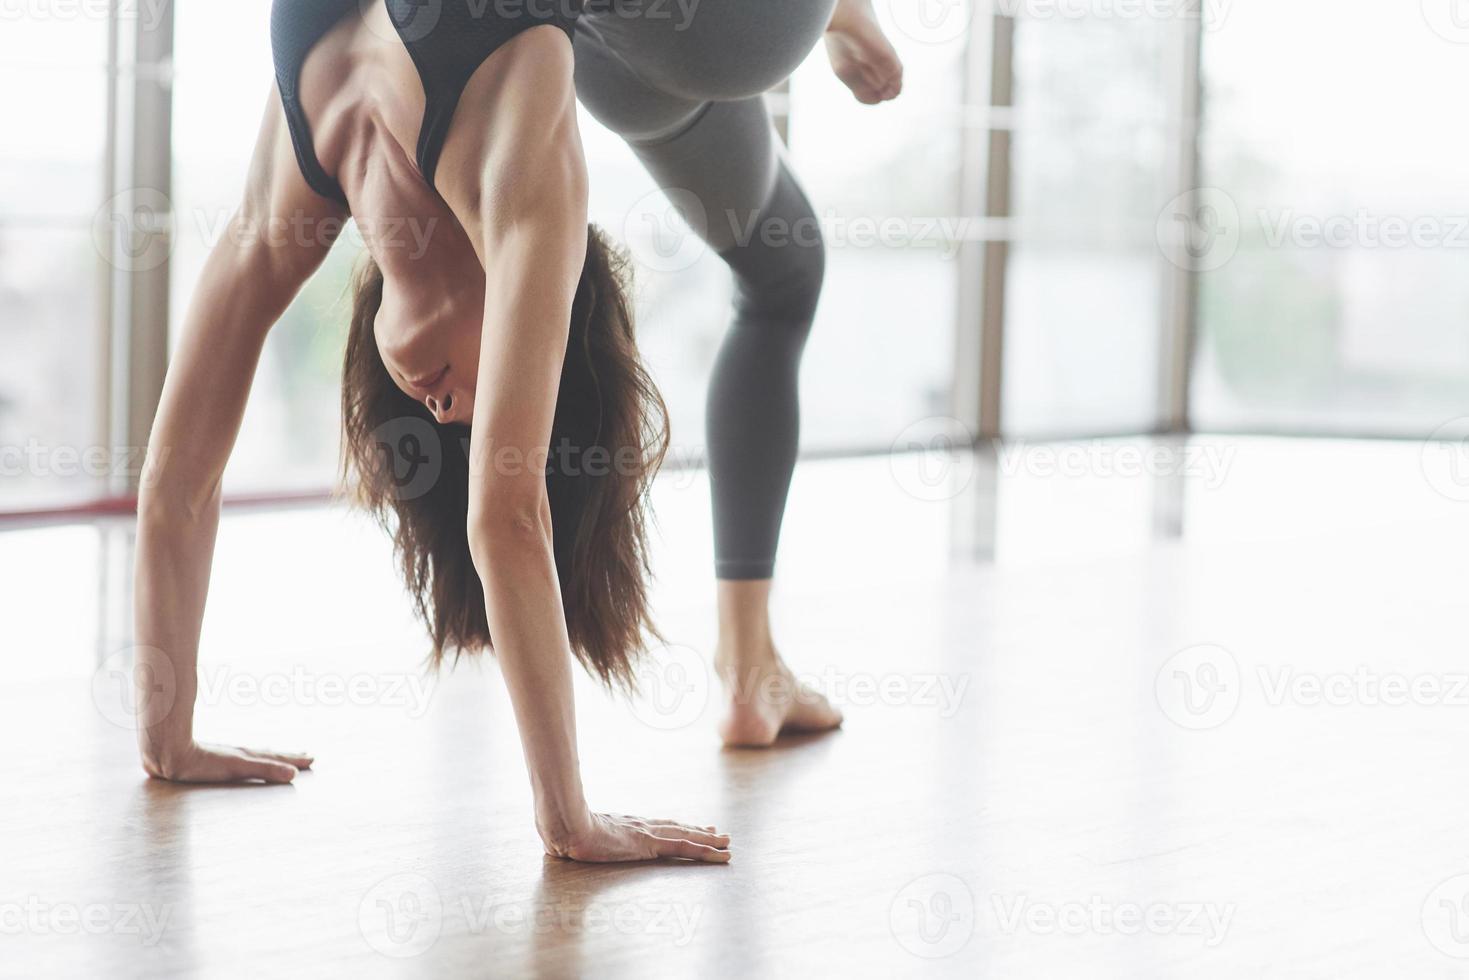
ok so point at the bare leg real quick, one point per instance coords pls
(690, 113)
(763, 697)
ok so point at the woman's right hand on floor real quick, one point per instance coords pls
(610, 837)
(199, 763)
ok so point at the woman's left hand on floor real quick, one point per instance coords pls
(611, 837)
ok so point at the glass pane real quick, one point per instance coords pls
(1083, 283)
(51, 64)
(290, 437)
(1340, 304)
(884, 181)
(50, 454)
(681, 312)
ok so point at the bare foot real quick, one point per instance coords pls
(764, 699)
(861, 54)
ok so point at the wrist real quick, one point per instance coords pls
(561, 828)
(844, 15)
(164, 757)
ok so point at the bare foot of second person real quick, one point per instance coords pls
(762, 696)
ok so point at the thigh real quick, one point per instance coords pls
(720, 171)
(619, 98)
(709, 50)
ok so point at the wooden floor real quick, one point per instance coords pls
(1078, 745)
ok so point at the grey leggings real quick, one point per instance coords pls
(682, 84)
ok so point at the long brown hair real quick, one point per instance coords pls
(608, 440)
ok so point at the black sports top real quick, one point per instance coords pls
(447, 39)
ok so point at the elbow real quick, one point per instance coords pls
(173, 502)
(508, 530)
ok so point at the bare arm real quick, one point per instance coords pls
(278, 237)
(522, 199)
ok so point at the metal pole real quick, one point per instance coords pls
(1179, 320)
(148, 219)
(985, 191)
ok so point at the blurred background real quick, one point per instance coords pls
(1095, 219)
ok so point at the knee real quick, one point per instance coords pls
(782, 280)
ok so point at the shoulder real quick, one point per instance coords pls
(515, 131)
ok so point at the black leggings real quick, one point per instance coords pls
(686, 97)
